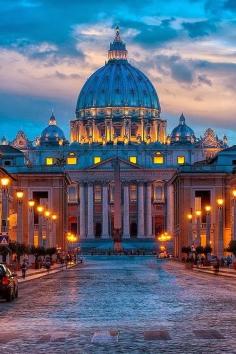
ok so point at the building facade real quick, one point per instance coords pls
(118, 120)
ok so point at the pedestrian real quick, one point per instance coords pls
(48, 264)
(23, 269)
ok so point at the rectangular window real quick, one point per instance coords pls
(133, 159)
(72, 194)
(96, 159)
(71, 160)
(181, 160)
(158, 159)
(49, 161)
(133, 193)
(98, 194)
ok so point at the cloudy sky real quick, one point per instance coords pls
(49, 47)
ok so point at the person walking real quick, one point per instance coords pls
(48, 264)
(24, 269)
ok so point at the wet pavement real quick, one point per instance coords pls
(121, 304)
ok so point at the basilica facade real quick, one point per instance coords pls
(118, 120)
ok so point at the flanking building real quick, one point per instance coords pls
(164, 176)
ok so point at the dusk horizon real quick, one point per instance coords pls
(187, 51)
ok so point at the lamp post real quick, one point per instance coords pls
(198, 216)
(220, 231)
(208, 224)
(40, 210)
(5, 204)
(190, 220)
(19, 235)
(31, 204)
(234, 215)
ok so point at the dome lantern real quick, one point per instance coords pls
(117, 48)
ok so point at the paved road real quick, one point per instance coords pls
(122, 305)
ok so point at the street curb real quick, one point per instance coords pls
(44, 274)
(222, 274)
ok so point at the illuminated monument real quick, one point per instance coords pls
(118, 103)
(117, 126)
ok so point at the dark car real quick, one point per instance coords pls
(8, 284)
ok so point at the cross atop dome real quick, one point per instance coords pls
(52, 120)
(117, 49)
(182, 119)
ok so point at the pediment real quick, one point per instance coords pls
(110, 163)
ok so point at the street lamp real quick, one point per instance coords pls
(19, 196)
(208, 224)
(220, 231)
(198, 217)
(190, 219)
(234, 215)
(47, 214)
(54, 237)
(5, 207)
(31, 204)
(40, 210)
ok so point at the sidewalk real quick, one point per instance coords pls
(230, 273)
(32, 274)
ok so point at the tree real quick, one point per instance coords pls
(232, 247)
(199, 250)
(19, 248)
(51, 251)
(4, 251)
(186, 249)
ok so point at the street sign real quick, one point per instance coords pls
(3, 239)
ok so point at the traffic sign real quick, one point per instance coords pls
(4, 240)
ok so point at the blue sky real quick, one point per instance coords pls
(49, 47)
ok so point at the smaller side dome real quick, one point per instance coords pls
(52, 135)
(182, 133)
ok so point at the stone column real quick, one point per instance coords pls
(198, 228)
(126, 227)
(170, 209)
(149, 233)
(90, 220)
(31, 226)
(208, 228)
(220, 233)
(105, 210)
(40, 230)
(82, 210)
(19, 234)
(234, 220)
(140, 211)
(5, 210)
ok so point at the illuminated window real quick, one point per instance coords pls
(97, 159)
(49, 161)
(158, 158)
(133, 159)
(181, 160)
(71, 160)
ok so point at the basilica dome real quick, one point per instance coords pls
(182, 133)
(52, 134)
(118, 85)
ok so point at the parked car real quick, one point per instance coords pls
(8, 284)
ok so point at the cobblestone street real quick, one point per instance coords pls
(122, 305)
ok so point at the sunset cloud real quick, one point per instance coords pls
(49, 48)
